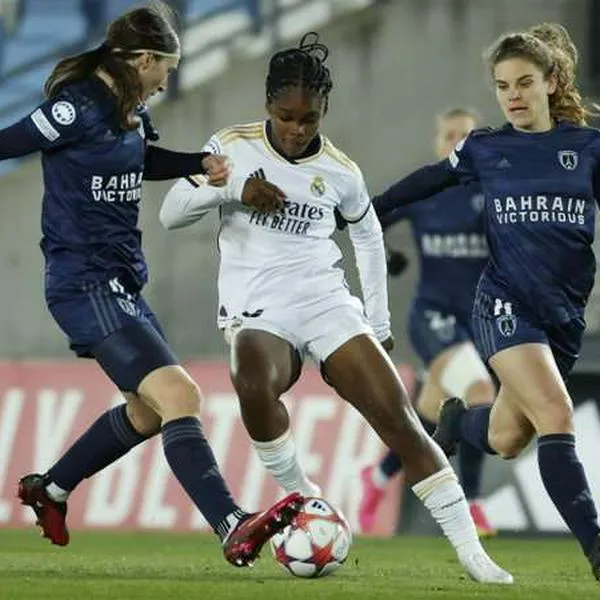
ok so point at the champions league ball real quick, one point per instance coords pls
(316, 543)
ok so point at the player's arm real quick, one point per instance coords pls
(419, 185)
(192, 198)
(428, 181)
(51, 126)
(367, 239)
(161, 164)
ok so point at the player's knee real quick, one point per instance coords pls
(183, 398)
(556, 418)
(252, 385)
(465, 376)
(480, 393)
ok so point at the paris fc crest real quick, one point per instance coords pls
(569, 159)
(507, 325)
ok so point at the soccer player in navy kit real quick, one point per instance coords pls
(94, 158)
(540, 174)
(449, 234)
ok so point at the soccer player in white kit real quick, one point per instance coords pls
(283, 295)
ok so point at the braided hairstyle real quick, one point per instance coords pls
(302, 67)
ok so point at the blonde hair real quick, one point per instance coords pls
(458, 111)
(550, 48)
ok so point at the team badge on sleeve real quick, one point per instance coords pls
(63, 112)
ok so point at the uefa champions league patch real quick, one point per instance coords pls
(63, 112)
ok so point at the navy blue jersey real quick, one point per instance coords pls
(540, 212)
(93, 173)
(448, 230)
(540, 191)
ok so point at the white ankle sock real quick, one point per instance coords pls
(56, 493)
(444, 498)
(279, 457)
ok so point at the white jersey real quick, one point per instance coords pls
(286, 259)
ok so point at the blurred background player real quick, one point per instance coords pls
(449, 235)
(94, 157)
(540, 174)
(282, 295)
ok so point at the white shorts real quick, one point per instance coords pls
(316, 329)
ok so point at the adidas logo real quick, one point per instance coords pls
(258, 174)
(503, 164)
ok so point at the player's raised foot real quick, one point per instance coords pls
(51, 515)
(446, 433)
(483, 526)
(371, 497)
(483, 569)
(594, 558)
(243, 545)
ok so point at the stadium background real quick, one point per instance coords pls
(395, 64)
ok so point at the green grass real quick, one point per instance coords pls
(123, 566)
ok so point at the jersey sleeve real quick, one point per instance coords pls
(356, 201)
(460, 160)
(212, 146)
(55, 123)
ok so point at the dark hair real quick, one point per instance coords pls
(147, 29)
(303, 67)
(550, 48)
(459, 111)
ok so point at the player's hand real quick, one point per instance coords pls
(388, 344)
(262, 195)
(217, 168)
(396, 263)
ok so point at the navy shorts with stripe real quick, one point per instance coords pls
(500, 321)
(433, 329)
(112, 323)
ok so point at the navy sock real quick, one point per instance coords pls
(567, 486)
(391, 463)
(193, 463)
(473, 428)
(110, 437)
(470, 462)
(428, 425)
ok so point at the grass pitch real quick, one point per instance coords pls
(165, 566)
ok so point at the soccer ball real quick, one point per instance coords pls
(316, 543)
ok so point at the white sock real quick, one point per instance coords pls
(444, 498)
(279, 457)
(379, 478)
(56, 493)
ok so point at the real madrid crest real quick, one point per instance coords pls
(317, 187)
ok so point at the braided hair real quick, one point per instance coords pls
(302, 67)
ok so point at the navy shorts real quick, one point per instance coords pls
(500, 321)
(433, 329)
(112, 323)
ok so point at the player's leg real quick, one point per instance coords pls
(363, 374)
(263, 367)
(460, 372)
(136, 357)
(375, 478)
(545, 401)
